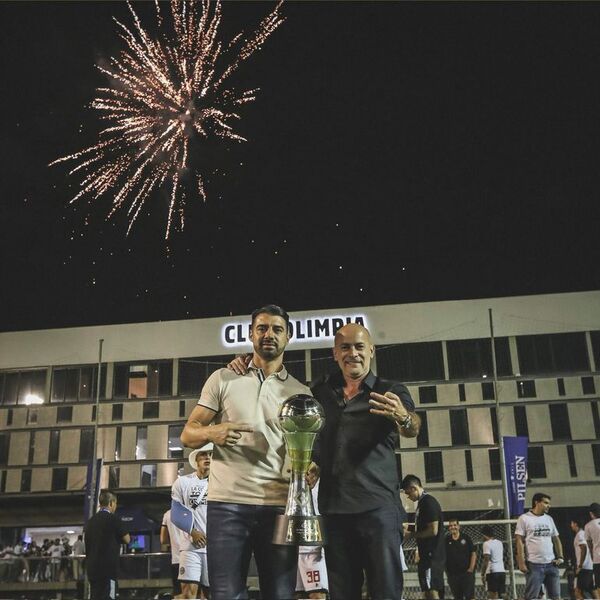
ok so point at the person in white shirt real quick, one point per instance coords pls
(56, 552)
(539, 551)
(78, 551)
(188, 512)
(493, 573)
(592, 537)
(584, 574)
(312, 571)
(174, 538)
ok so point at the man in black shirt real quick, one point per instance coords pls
(104, 534)
(429, 533)
(460, 562)
(358, 493)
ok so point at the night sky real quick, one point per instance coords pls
(397, 152)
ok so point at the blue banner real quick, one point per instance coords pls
(515, 459)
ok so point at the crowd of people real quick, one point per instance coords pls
(30, 561)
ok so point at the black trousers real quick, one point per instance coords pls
(103, 589)
(462, 585)
(368, 541)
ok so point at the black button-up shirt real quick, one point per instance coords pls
(356, 449)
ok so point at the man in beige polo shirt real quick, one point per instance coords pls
(249, 474)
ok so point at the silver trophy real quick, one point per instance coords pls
(301, 418)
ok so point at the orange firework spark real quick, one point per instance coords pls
(165, 91)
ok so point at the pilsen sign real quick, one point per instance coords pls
(302, 330)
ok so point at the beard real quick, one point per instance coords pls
(269, 352)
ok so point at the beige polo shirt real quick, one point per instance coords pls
(255, 470)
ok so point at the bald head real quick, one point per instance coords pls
(353, 350)
(351, 329)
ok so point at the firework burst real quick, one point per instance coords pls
(164, 92)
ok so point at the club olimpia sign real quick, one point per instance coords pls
(312, 329)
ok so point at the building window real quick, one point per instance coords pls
(64, 414)
(434, 467)
(587, 385)
(596, 418)
(596, 456)
(494, 458)
(182, 409)
(559, 421)
(4, 445)
(31, 452)
(65, 385)
(423, 435)
(560, 383)
(459, 427)
(94, 413)
(537, 463)
(118, 439)
(32, 416)
(26, 480)
(494, 421)
(117, 412)
(77, 384)
(9, 417)
(595, 337)
(487, 390)
(86, 445)
(145, 380)
(472, 359)
(469, 465)
(59, 479)
(148, 478)
(193, 372)
(521, 427)
(10, 389)
(427, 394)
(141, 444)
(572, 463)
(462, 396)
(175, 449)
(114, 475)
(150, 410)
(552, 353)
(3, 482)
(420, 361)
(23, 387)
(54, 446)
(526, 388)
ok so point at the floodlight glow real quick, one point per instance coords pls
(33, 399)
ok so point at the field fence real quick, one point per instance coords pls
(473, 530)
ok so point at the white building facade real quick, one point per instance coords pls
(548, 361)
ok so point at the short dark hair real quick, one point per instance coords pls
(595, 509)
(106, 497)
(487, 531)
(538, 498)
(272, 309)
(578, 522)
(409, 481)
(453, 520)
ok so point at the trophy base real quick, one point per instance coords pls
(298, 531)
